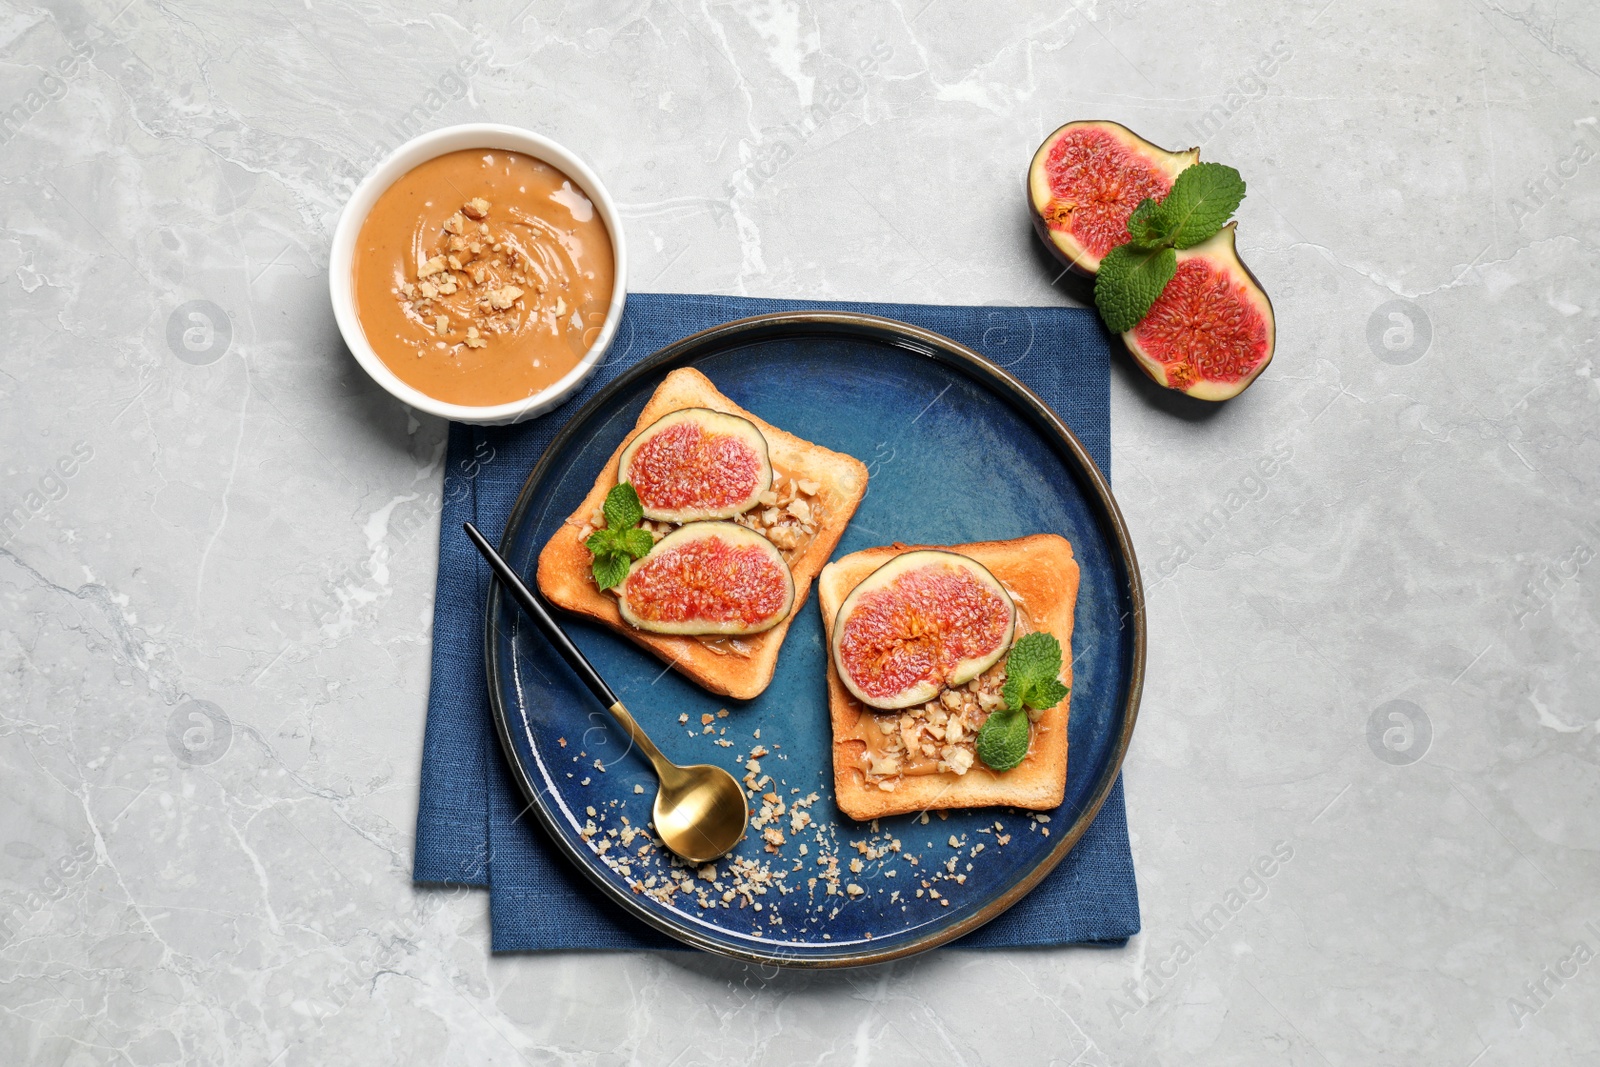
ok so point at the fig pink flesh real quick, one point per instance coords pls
(688, 467)
(711, 580)
(1104, 181)
(1212, 330)
(1205, 319)
(916, 630)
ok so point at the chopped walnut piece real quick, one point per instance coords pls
(476, 208)
(455, 224)
(441, 324)
(431, 267)
(504, 297)
(786, 538)
(885, 766)
(942, 731)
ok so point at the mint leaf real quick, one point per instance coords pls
(1130, 280)
(1045, 694)
(1003, 739)
(603, 543)
(1149, 224)
(613, 551)
(622, 508)
(636, 543)
(1033, 670)
(610, 569)
(1037, 655)
(1201, 201)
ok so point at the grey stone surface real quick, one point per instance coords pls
(1378, 658)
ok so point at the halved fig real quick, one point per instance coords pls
(695, 464)
(708, 578)
(1084, 182)
(1211, 331)
(923, 621)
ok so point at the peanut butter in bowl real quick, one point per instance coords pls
(482, 276)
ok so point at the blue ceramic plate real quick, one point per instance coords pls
(957, 451)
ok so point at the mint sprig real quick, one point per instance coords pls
(1133, 275)
(621, 541)
(1033, 680)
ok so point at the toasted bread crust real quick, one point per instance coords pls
(564, 562)
(1042, 575)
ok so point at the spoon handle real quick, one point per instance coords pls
(536, 611)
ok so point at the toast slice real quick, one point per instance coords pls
(1042, 576)
(739, 668)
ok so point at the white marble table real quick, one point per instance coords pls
(1377, 660)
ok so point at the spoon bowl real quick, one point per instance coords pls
(700, 811)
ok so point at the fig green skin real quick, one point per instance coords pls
(964, 672)
(1081, 262)
(1219, 249)
(719, 422)
(733, 533)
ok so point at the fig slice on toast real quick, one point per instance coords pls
(923, 621)
(695, 464)
(708, 578)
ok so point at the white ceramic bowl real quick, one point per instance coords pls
(341, 275)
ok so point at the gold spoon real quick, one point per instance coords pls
(700, 811)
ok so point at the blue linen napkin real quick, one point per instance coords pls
(472, 825)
